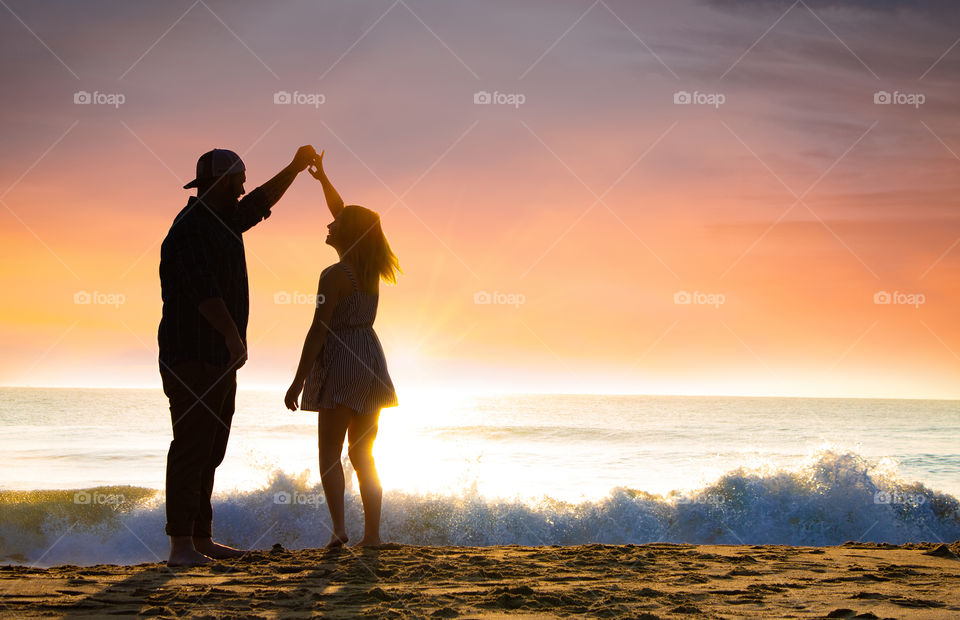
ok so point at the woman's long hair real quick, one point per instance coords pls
(366, 245)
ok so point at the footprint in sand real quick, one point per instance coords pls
(903, 601)
(842, 612)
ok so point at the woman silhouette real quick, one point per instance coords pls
(342, 371)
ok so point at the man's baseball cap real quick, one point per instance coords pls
(216, 163)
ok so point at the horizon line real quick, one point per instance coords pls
(468, 392)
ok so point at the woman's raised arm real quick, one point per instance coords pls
(334, 201)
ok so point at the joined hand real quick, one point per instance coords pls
(316, 166)
(304, 157)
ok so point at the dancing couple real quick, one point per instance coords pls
(342, 373)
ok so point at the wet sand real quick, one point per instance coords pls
(861, 580)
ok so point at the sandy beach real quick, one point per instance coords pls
(862, 580)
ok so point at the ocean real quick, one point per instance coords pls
(82, 470)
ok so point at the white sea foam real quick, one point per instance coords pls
(831, 498)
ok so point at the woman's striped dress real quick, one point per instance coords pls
(351, 369)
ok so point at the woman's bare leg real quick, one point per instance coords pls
(332, 427)
(362, 431)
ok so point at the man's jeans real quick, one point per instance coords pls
(202, 399)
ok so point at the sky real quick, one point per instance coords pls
(678, 197)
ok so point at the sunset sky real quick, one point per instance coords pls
(583, 196)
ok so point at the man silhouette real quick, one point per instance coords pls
(202, 337)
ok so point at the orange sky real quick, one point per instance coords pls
(594, 202)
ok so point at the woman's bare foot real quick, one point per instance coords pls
(187, 557)
(337, 540)
(369, 542)
(217, 551)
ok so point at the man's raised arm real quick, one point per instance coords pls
(256, 205)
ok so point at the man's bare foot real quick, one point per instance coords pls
(217, 551)
(337, 540)
(188, 557)
(369, 542)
